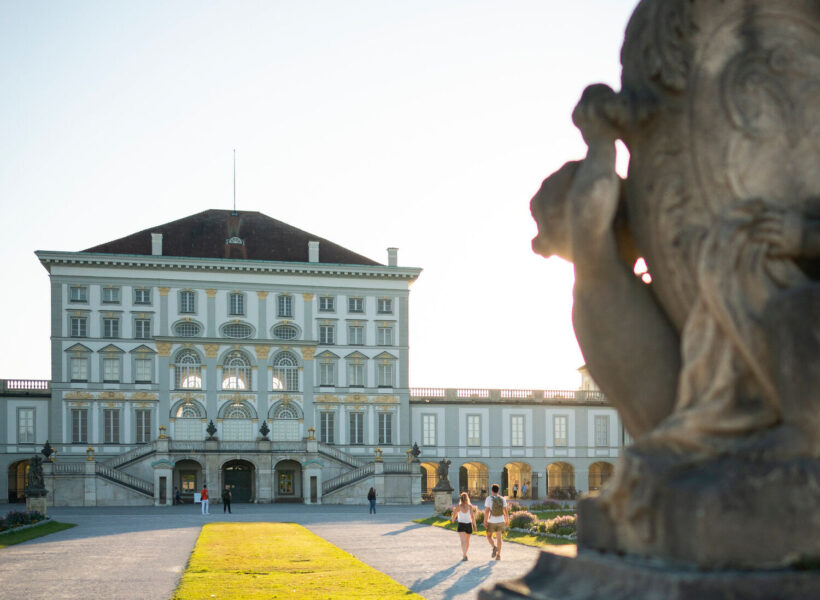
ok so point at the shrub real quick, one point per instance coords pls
(546, 505)
(479, 518)
(562, 525)
(568, 493)
(514, 506)
(448, 512)
(542, 527)
(17, 519)
(523, 519)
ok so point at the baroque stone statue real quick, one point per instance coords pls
(443, 472)
(714, 366)
(35, 484)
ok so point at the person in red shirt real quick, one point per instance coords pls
(204, 498)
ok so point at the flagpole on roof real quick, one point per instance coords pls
(234, 180)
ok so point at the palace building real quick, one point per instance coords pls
(232, 349)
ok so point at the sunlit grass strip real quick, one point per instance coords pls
(278, 560)
(509, 536)
(31, 533)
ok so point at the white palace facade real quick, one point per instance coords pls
(232, 349)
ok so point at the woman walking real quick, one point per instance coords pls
(464, 511)
(371, 495)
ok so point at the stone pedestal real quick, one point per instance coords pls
(592, 576)
(39, 504)
(442, 500)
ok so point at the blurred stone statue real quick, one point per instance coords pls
(35, 484)
(714, 366)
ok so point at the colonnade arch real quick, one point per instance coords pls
(516, 473)
(599, 473)
(18, 472)
(560, 479)
(474, 478)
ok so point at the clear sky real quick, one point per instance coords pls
(425, 125)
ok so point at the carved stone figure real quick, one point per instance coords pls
(47, 450)
(415, 452)
(443, 472)
(713, 366)
(35, 485)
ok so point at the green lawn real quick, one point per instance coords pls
(509, 536)
(17, 537)
(278, 560)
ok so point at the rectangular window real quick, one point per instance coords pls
(111, 370)
(78, 293)
(327, 334)
(143, 425)
(428, 430)
(79, 327)
(111, 426)
(187, 301)
(355, 335)
(327, 373)
(142, 329)
(142, 370)
(25, 425)
(384, 374)
(111, 327)
(385, 428)
(559, 430)
(111, 295)
(384, 336)
(356, 428)
(284, 306)
(355, 374)
(142, 295)
(473, 430)
(355, 305)
(517, 430)
(385, 306)
(237, 303)
(327, 304)
(601, 430)
(327, 424)
(79, 425)
(79, 369)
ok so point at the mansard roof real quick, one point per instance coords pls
(237, 235)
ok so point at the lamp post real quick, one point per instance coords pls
(311, 433)
(89, 453)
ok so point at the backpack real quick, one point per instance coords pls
(497, 508)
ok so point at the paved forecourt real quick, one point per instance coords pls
(140, 552)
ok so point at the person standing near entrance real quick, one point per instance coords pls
(226, 500)
(524, 489)
(371, 496)
(515, 490)
(204, 499)
(496, 519)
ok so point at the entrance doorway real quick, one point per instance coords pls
(18, 471)
(187, 479)
(238, 476)
(288, 481)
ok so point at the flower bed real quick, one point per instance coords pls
(17, 519)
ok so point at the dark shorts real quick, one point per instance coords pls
(465, 527)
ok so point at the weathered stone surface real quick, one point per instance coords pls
(593, 576)
(714, 365)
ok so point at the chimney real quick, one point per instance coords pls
(313, 251)
(392, 257)
(156, 244)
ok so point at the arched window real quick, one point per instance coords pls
(237, 424)
(285, 372)
(188, 371)
(236, 372)
(285, 423)
(188, 422)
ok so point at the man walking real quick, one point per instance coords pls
(226, 500)
(496, 519)
(204, 499)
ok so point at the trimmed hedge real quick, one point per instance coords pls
(15, 519)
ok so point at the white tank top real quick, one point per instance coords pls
(465, 516)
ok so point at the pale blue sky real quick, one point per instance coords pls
(425, 125)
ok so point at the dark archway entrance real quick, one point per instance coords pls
(17, 481)
(187, 479)
(238, 476)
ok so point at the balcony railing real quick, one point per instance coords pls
(25, 386)
(456, 395)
